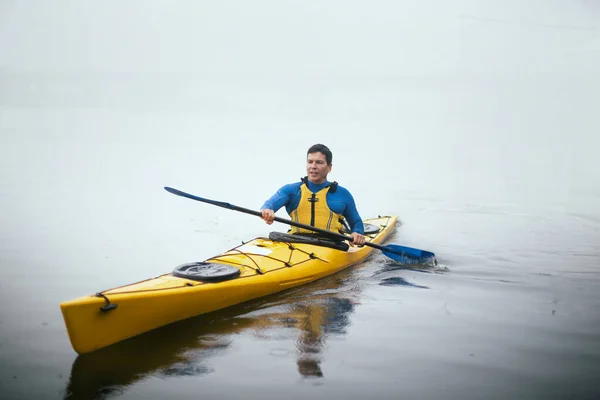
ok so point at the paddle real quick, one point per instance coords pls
(403, 254)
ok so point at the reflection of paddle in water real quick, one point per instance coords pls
(397, 281)
(392, 268)
(185, 348)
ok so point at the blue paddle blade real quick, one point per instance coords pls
(408, 255)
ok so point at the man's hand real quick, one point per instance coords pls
(357, 239)
(268, 216)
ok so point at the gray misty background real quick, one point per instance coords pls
(475, 121)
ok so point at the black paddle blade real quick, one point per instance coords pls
(202, 199)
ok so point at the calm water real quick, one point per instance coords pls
(477, 125)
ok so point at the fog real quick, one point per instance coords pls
(476, 122)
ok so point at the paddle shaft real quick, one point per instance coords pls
(307, 227)
(282, 220)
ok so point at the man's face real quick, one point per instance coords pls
(317, 168)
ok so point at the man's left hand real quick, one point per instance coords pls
(358, 239)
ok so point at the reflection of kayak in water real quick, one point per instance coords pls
(186, 348)
(254, 269)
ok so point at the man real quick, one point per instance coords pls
(315, 201)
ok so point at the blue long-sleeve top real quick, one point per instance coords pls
(340, 202)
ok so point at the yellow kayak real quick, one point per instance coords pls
(254, 269)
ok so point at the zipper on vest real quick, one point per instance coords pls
(312, 209)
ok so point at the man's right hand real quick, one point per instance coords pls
(268, 216)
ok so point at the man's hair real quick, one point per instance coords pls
(321, 148)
